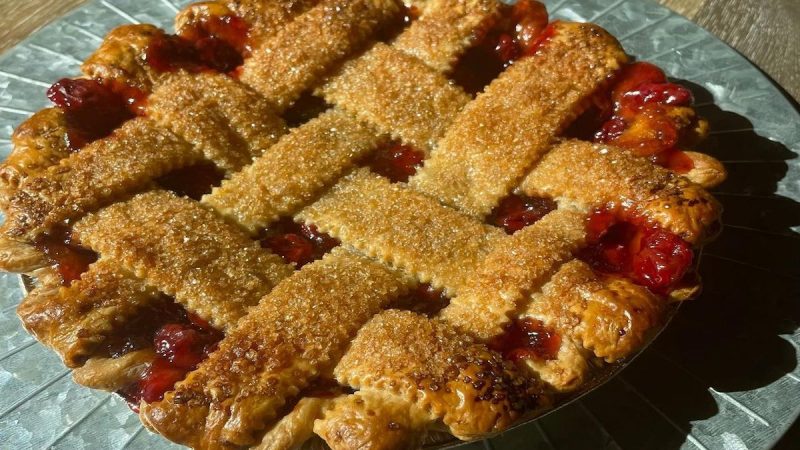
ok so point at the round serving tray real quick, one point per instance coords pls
(723, 375)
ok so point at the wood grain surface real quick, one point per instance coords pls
(767, 32)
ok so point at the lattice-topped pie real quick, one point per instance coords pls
(361, 221)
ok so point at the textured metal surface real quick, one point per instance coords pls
(724, 374)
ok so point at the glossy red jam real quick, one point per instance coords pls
(423, 299)
(527, 339)
(181, 345)
(70, 260)
(644, 115)
(92, 109)
(516, 212)
(193, 181)
(217, 43)
(296, 243)
(648, 255)
(396, 162)
(518, 32)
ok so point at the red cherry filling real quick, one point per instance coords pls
(649, 116)
(527, 339)
(423, 299)
(516, 212)
(295, 243)
(92, 109)
(648, 255)
(193, 181)
(518, 32)
(396, 162)
(217, 43)
(70, 260)
(180, 346)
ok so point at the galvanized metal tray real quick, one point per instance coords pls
(722, 376)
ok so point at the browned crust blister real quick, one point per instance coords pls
(593, 175)
(403, 228)
(99, 174)
(76, 320)
(185, 251)
(398, 94)
(294, 171)
(512, 123)
(289, 62)
(283, 344)
(230, 123)
(442, 371)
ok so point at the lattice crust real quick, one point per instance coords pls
(185, 251)
(296, 427)
(121, 57)
(301, 52)
(425, 362)
(403, 227)
(264, 17)
(445, 29)
(294, 170)
(516, 266)
(512, 124)
(100, 173)
(38, 143)
(398, 94)
(284, 343)
(114, 374)
(375, 420)
(229, 122)
(88, 310)
(610, 316)
(594, 175)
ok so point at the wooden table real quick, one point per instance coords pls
(766, 32)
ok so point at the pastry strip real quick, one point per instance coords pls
(398, 94)
(512, 124)
(293, 171)
(100, 173)
(187, 252)
(445, 30)
(230, 123)
(289, 62)
(76, 320)
(403, 228)
(121, 57)
(295, 333)
(517, 266)
(426, 363)
(594, 175)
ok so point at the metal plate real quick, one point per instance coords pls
(724, 374)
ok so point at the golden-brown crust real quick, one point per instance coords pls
(39, 142)
(706, 171)
(113, 374)
(398, 94)
(100, 173)
(185, 251)
(228, 122)
(121, 57)
(373, 420)
(294, 334)
(296, 426)
(20, 257)
(516, 266)
(593, 175)
(427, 363)
(608, 315)
(445, 30)
(294, 171)
(76, 320)
(507, 128)
(403, 227)
(289, 62)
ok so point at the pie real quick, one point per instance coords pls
(361, 221)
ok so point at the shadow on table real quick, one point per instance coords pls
(727, 340)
